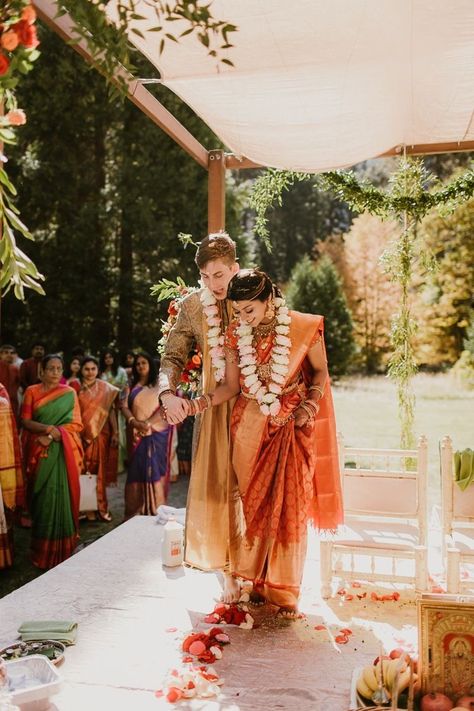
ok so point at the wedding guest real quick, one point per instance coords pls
(10, 377)
(30, 369)
(53, 459)
(128, 365)
(283, 437)
(11, 477)
(112, 372)
(99, 435)
(148, 467)
(72, 373)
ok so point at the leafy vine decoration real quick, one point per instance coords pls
(111, 49)
(412, 193)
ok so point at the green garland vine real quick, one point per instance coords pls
(411, 194)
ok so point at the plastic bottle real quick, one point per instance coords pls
(172, 547)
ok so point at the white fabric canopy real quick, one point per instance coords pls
(321, 84)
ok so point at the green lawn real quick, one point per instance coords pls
(366, 414)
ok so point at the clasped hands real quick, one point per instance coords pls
(176, 408)
(46, 439)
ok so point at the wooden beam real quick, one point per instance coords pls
(216, 192)
(234, 163)
(427, 149)
(141, 97)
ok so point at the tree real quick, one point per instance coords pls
(318, 289)
(306, 218)
(443, 312)
(369, 293)
(105, 193)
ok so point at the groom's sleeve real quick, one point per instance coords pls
(181, 340)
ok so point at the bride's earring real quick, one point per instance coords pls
(270, 310)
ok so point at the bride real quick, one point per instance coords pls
(284, 450)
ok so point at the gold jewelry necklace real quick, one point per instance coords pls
(264, 329)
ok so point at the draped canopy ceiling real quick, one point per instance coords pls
(318, 85)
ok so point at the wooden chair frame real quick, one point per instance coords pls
(390, 482)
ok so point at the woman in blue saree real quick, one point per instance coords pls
(148, 466)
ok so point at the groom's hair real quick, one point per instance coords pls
(215, 246)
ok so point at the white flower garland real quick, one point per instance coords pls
(215, 337)
(267, 395)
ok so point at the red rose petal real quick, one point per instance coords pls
(211, 619)
(320, 627)
(346, 631)
(341, 591)
(171, 629)
(362, 596)
(187, 659)
(396, 596)
(374, 596)
(174, 695)
(341, 639)
(349, 597)
(159, 693)
(356, 584)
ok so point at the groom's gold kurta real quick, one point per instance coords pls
(212, 490)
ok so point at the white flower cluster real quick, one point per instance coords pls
(267, 395)
(215, 337)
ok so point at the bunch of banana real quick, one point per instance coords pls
(369, 678)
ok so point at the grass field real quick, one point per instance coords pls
(366, 413)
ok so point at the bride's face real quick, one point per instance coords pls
(250, 313)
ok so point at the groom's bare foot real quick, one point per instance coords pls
(231, 591)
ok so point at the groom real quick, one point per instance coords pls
(212, 492)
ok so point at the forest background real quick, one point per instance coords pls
(105, 194)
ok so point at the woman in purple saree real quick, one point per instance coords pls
(148, 467)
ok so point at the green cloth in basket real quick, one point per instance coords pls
(464, 468)
(59, 630)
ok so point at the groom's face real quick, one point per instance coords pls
(217, 274)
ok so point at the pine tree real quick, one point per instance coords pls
(318, 289)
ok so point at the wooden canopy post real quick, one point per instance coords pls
(216, 192)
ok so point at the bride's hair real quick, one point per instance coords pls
(250, 284)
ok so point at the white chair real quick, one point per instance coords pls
(457, 520)
(385, 511)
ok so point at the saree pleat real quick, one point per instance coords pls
(287, 476)
(53, 474)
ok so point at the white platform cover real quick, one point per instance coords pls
(319, 85)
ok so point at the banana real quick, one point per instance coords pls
(370, 677)
(363, 689)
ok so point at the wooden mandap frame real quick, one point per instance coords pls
(216, 162)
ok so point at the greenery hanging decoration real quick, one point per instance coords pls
(411, 195)
(18, 52)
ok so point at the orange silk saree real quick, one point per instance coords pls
(287, 475)
(95, 403)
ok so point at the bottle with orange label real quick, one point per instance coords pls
(172, 547)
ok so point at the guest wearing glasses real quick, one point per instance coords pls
(53, 459)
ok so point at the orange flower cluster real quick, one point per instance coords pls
(21, 33)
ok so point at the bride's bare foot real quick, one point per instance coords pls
(257, 598)
(231, 592)
(289, 613)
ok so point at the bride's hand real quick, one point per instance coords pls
(301, 417)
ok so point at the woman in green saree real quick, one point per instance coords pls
(53, 456)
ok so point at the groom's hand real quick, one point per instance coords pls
(176, 409)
